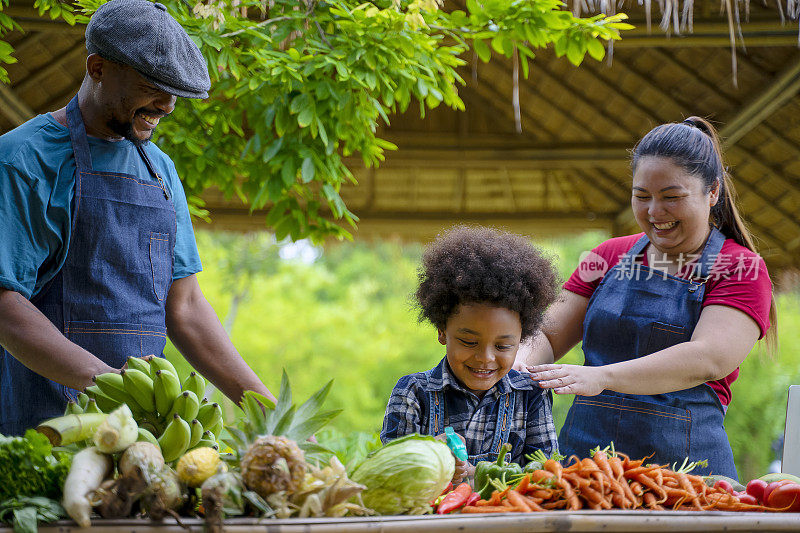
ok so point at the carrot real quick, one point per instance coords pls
(534, 505)
(650, 500)
(659, 476)
(636, 488)
(633, 472)
(619, 466)
(594, 497)
(486, 509)
(558, 504)
(573, 501)
(554, 467)
(576, 480)
(523, 484)
(683, 479)
(620, 501)
(517, 500)
(544, 494)
(601, 460)
(537, 476)
(598, 470)
(497, 497)
(651, 484)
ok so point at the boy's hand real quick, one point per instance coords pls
(463, 468)
(463, 471)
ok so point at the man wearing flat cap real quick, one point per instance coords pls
(98, 260)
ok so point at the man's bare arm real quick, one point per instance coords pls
(34, 341)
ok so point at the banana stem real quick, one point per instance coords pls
(67, 429)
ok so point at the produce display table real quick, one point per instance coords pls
(607, 521)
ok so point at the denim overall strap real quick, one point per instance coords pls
(505, 414)
(109, 297)
(435, 412)
(635, 311)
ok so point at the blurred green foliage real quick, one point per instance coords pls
(349, 316)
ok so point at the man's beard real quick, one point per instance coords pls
(125, 129)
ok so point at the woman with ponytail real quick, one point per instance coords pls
(666, 316)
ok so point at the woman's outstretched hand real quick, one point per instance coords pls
(570, 379)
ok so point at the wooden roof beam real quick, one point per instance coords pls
(783, 88)
(12, 106)
(519, 158)
(712, 34)
(77, 50)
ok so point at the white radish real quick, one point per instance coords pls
(89, 468)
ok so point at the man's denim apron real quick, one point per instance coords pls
(505, 410)
(636, 311)
(109, 297)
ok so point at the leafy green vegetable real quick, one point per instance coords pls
(29, 468)
(405, 475)
(27, 512)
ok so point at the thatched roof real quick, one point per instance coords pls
(568, 169)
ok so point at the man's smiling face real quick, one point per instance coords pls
(132, 106)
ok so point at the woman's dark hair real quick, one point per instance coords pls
(694, 145)
(478, 265)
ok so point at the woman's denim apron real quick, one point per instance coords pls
(636, 311)
(505, 411)
(109, 297)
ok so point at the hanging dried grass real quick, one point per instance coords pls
(676, 18)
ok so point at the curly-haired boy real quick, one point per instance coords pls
(485, 291)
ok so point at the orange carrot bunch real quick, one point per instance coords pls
(609, 481)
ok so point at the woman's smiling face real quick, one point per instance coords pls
(482, 342)
(671, 205)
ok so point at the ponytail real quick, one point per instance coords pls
(687, 144)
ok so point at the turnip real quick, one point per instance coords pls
(89, 468)
(144, 457)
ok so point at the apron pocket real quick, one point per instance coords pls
(664, 335)
(114, 342)
(636, 428)
(649, 428)
(160, 263)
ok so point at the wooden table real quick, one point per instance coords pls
(556, 521)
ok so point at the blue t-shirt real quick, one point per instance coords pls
(37, 183)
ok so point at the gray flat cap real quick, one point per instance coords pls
(143, 35)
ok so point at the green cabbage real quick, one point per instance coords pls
(405, 475)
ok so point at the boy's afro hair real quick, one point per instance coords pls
(470, 265)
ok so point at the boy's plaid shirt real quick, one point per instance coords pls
(475, 419)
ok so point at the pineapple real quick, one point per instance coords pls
(273, 464)
(271, 439)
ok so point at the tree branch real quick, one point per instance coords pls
(259, 25)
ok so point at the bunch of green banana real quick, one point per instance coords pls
(173, 414)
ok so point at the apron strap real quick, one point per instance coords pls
(702, 266)
(152, 169)
(77, 133)
(712, 249)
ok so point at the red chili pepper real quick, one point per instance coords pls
(455, 499)
(474, 497)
